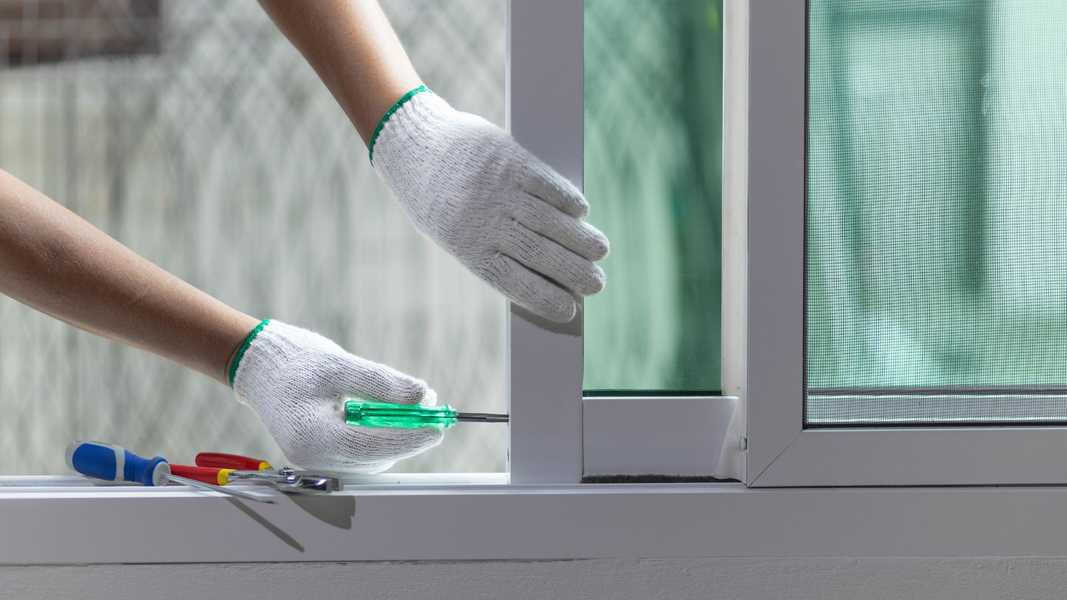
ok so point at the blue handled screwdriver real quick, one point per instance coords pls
(109, 462)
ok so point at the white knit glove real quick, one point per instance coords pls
(508, 217)
(294, 380)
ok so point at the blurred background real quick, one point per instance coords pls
(194, 133)
(937, 208)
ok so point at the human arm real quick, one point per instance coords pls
(465, 183)
(54, 261)
(355, 52)
(293, 379)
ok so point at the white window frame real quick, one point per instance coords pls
(547, 435)
(544, 113)
(781, 451)
(542, 513)
(556, 436)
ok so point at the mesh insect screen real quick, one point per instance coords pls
(937, 211)
(196, 134)
(653, 150)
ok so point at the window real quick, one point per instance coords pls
(918, 287)
(652, 154)
(189, 146)
(549, 515)
(936, 261)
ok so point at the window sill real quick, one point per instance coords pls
(67, 521)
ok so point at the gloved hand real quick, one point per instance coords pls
(294, 379)
(508, 217)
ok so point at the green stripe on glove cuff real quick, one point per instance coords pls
(244, 348)
(389, 113)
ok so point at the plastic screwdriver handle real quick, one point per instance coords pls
(109, 462)
(115, 463)
(231, 461)
(367, 413)
(203, 474)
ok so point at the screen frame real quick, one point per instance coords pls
(781, 451)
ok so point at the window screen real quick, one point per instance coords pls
(936, 212)
(653, 155)
(222, 157)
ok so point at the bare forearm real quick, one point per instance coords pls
(55, 262)
(352, 47)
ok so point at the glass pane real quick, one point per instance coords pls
(213, 150)
(937, 212)
(653, 155)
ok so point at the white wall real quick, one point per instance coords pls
(762, 579)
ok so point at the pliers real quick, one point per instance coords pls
(220, 469)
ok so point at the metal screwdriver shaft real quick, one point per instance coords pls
(468, 417)
(218, 488)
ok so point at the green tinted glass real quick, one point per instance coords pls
(653, 150)
(937, 211)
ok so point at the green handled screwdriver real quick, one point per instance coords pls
(384, 414)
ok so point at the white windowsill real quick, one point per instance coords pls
(67, 521)
(393, 480)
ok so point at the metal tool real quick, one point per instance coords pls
(226, 468)
(109, 462)
(369, 413)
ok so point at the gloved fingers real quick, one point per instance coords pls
(429, 398)
(538, 179)
(570, 232)
(367, 379)
(332, 445)
(375, 468)
(553, 261)
(532, 291)
(386, 444)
